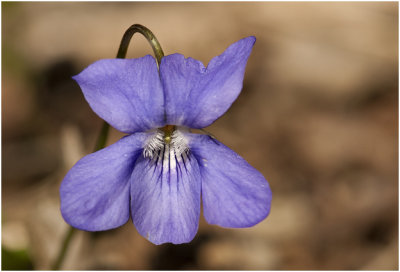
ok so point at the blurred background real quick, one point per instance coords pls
(317, 116)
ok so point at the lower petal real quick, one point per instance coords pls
(234, 193)
(165, 196)
(95, 192)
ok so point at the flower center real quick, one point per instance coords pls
(168, 141)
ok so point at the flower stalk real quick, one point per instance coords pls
(103, 135)
(123, 48)
(63, 249)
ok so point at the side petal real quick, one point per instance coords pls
(165, 196)
(196, 96)
(95, 192)
(126, 93)
(234, 194)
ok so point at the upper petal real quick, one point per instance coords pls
(234, 193)
(95, 192)
(196, 96)
(165, 197)
(126, 93)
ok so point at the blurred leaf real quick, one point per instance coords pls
(15, 259)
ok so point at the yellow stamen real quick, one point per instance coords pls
(168, 130)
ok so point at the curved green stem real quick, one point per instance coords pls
(123, 48)
(102, 138)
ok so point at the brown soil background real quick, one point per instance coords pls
(317, 116)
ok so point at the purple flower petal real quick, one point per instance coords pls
(126, 93)
(165, 197)
(234, 193)
(196, 96)
(95, 192)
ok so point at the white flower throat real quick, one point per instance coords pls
(165, 145)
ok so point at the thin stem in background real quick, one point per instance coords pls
(63, 249)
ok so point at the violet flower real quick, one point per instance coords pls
(158, 174)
